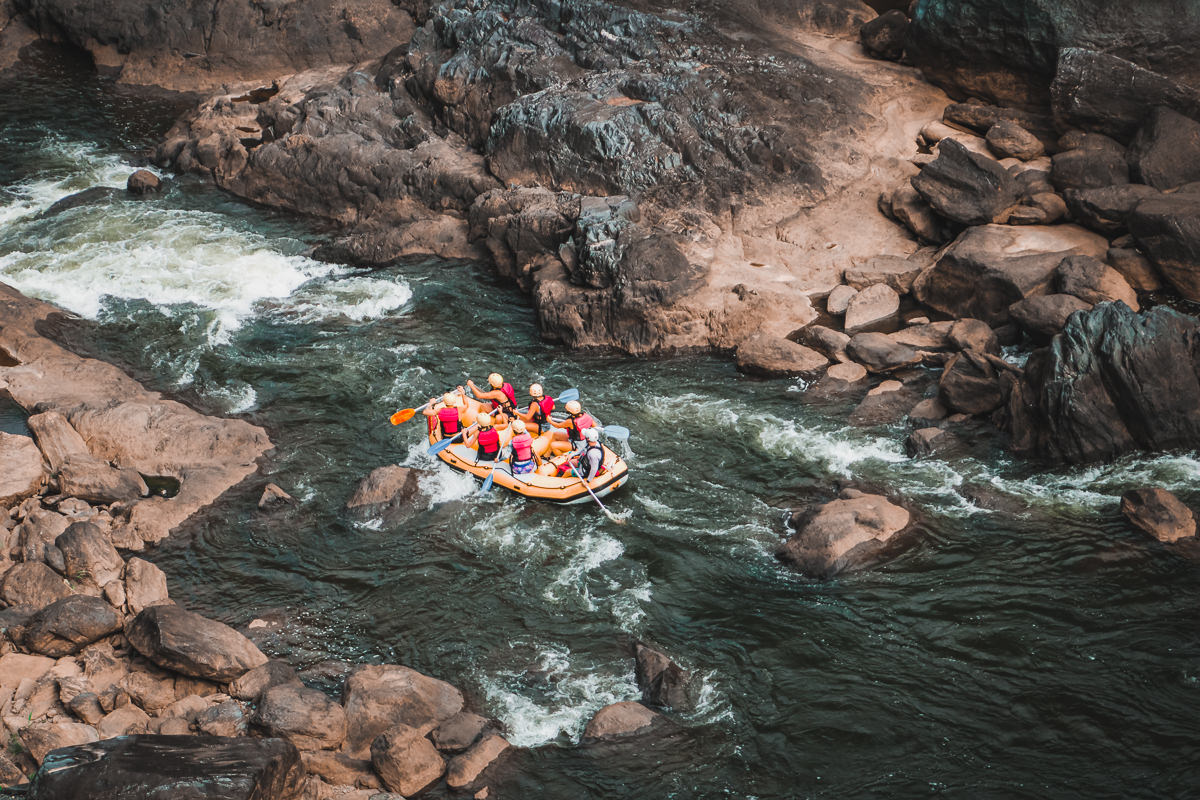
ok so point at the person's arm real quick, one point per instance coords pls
(470, 439)
(566, 423)
(595, 460)
(430, 411)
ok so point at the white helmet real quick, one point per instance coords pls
(591, 434)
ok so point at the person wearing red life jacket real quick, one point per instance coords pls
(501, 395)
(569, 435)
(538, 414)
(449, 416)
(486, 439)
(524, 458)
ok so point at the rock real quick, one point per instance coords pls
(970, 384)
(37, 535)
(173, 726)
(258, 680)
(1167, 229)
(879, 353)
(40, 738)
(405, 760)
(21, 469)
(1094, 282)
(1040, 208)
(974, 334)
(926, 336)
(928, 413)
(1165, 153)
(771, 356)
(839, 299)
(1089, 168)
(123, 721)
(392, 487)
(145, 585)
(910, 209)
(846, 372)
(824, 340)
(377, 697)
(10, 773)
(620, 719)
(993, 266)
(966, 187)
(883, 37)
(307, 717)
(1114, 381)
(928, 441)
(58, 441)
(16, 668)
(273, 497)
(1158, 513)
(464, 770)
(96, 482)
(86, 707)
(226, 718)
(88, 555)
(1135, 268)
(871, 306)
(982, 117)
(152, 690)
(32, 584)
(142, 182)
(459, 732)
(662, 681)
(67, 625)
(1045, 315)
(1107, 210)
(884, 408)
(339, 769)
(1009, 140)
(147, 766)
(897, 272)
(189, 643)
(843, 534)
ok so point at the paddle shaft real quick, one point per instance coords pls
(607, 513)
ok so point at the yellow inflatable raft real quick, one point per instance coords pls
(565, 491)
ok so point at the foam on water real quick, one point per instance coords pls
(357, 299)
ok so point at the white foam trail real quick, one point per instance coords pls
(239, 398)
(355, 298)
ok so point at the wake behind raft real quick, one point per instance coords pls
(566, 489)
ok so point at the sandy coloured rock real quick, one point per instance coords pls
(194, 645)
(21, 469)
(842, 534)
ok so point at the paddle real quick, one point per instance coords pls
(487, 482)
(611, 516)
(405, 414)
(437, 447)
(618, 432)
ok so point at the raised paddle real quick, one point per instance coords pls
(618, 432)
(405, 414)
(437, 447)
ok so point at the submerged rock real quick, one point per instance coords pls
(1158, 513)
(390, 488)
(662, 681)
(843, 534)
(620, 719)
(142, 182)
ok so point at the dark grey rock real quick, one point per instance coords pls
(1165, 153)
(966, 187)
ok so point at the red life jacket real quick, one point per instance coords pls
(580, 422)
(448, 417)
(522, 445)
(489, 440)
(509, 404)
(541, 409)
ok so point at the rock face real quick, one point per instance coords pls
(842, 534)
(194, 645)
(662, 681)
(772, 357)
(1165, 153)
(966, 187)
(1168, 230)
(21, 469)
(379, 697)
(141, 767)
(66, 625)
(620, 719)
(305, 716)
(1114, 381)
(1158, 513)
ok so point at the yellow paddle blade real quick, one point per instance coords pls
(403, 415)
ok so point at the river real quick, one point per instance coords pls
(1038, 648)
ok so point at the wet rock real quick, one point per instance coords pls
(459, 732)
(874, 305)
(843, 534)
(1089, 168)
(258, 680)
(88, 555)
(1045, 315)
(991, 267)
(1165, 153)
(974, 334)
(143, 182)
(145, 585)
(123, 721)
(1009, 140)
(194, 645)
(1114, 381)
(883, 37)
(966, 187)
(40, 738)
(928, 413)
(67, 625)
(405, 760)
(391, 488)
(971, 384)
(1106, 210)
(97, 482)
(879, 353)
(1135, 268)
(33, 584)
(1167, 229)
(982, 117)
(620, 719)
(884, 407)
(464, 770)
(825, 340)
(310, 719)
(909, 208)
(839, 299)
(147, 766)
(1094, 282)
(21, 469)
(377, 697)
(928, 441)
(896, 271)
(772, 357)
(1158, 513)
(662, 681)
(274, 498)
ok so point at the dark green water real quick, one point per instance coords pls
(1040, 651)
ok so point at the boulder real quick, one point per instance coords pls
(1167, 229)
(870, 307)
(193, 645)
(843, 534)
(377, 697)
(123, 721)
(258, 680)
(1045, 315)
(1165, 153)
(929, 441)
(148, 766)
(928, 413)
(67, 625)
(1009, 140)
(886, 404)
(1113, 382)
(1158, 513)
(97, 482)
(393, 487)
(143, 181)
(145, 585)
(883, 37)
(89, 555)
(879, 353)
(40, 738)
(620, 719)
(771, 356)
(21, 469)
(338, 769)
(465, 769)
(57, 439)
(989, 268)
(34, 584)
(846, 372)
(149, 687)
(662, 681)
(10, 773)
(896, 271)
(459, 732)
(226, 718)
(971, 384)
(309, 718)
(1094, 282)
(839, 299)
(966, 187)
(925, 336)
(36, 536)
(982, 117)
(1135, 268)
(273, 498)
(824, 340)
(1089, 168)
(1106, 210)
(405, 760)
(909, 208)
(974, 334)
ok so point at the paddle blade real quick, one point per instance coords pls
(403, 415)
(618, 432)
(487, 482)
(568, 396)
(439, 446)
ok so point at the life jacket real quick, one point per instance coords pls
(509, 403)
(584, 460)
(580, 422)
(541, 409)
(448, 419)
(522, 445)
(489, 440)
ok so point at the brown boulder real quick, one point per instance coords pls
(974, 334)
(309, 718)
(194, 645)
(273, 497)
(123, 721)
(1158, 513)
(378, 697)
(872, 306)
(774, 357)
(33, 584)
(843, 534)
(391, 486)
(21, 469)
(1044, 316)
(966, 187)
(42, 737)
(145, 585)
(36, 537)
(825, 340)
(620, 719)
(1093, 281)
(1089, 168)
(1167, 229)
(58, 441)
(459, 732)
(879, 353)
(97, 482)
(1165, 153)
(405, 760)
(662, 681)
(970, 384)
(463, 770)
(1009, 140)
(1135, 268)
(67, 625)
(896, 271)
(339, 769)
(143, 181)
(89, 555)
(251, 685)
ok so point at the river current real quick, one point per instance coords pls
(1026, 645)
